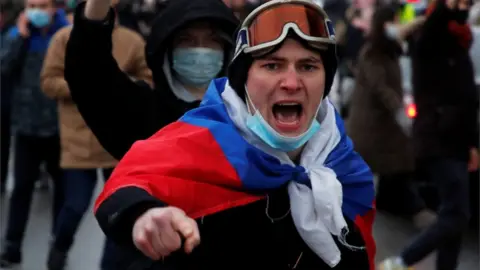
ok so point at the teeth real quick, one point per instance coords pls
(288, 104)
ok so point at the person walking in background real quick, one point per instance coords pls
(70, 6)
(81, 153)
(379, 125)
(34, 117)
(8, 13)
(445, 130)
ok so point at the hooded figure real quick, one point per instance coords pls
(121, 111)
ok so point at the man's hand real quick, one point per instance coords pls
(97, 10)
(22, 25)
(159, 232)
(473, 161)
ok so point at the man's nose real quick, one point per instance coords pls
(291, 81)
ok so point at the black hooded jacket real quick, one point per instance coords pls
(447, 99)
(119, 110)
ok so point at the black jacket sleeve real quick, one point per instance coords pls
(12, 55)
(118, 110)
(118, 213)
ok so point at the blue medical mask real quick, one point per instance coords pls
(260, 127)
(39, 18)
(197, 66)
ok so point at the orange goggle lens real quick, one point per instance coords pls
(269, 25)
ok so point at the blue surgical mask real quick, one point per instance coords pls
(39, 18)
(260, 127)
(197, 66)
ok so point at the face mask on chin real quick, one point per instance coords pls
(197, 66)
(260, 127)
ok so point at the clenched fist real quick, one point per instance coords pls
(159, 232)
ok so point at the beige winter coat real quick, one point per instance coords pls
(80, 147)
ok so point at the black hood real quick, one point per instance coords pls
(175, 15)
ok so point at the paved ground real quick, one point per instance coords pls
(391, 234)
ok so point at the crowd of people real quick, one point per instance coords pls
(219, 135)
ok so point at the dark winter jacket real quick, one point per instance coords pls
(33, 113)
(444, 91)
(119, 110)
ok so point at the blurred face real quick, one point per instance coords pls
(286, 87)
(363, 3)
(198, 55)
(463, 4)
(45, 5)
(199, 35)
(391, 29)
(235, 4)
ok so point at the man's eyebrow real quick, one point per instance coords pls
(311, 59)
(272, 58)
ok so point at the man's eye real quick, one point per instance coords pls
(309, 67)
(271, 66)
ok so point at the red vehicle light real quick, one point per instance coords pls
(412, 111)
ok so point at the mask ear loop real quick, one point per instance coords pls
(249, 102)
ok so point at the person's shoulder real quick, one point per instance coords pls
(64, 32)
(62, 35)
(127, 34)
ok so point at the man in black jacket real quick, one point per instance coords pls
(33, 117)
(189, 44)
(446, 129)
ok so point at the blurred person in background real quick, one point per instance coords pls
(474, 21)
(237, 7)
(34, 117)
(190, 44)
(475, 56)
(378, 123)
(242, 8)
(81, 153)
(138, 15)
(69, 7)
(5, 98)
(8, 13)
(352, 37)
(336, 9)
(445, 130)
(474, 18)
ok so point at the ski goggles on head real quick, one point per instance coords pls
(269, 25)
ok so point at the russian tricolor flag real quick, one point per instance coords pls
(203, 165)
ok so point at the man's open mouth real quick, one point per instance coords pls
(287, 113)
